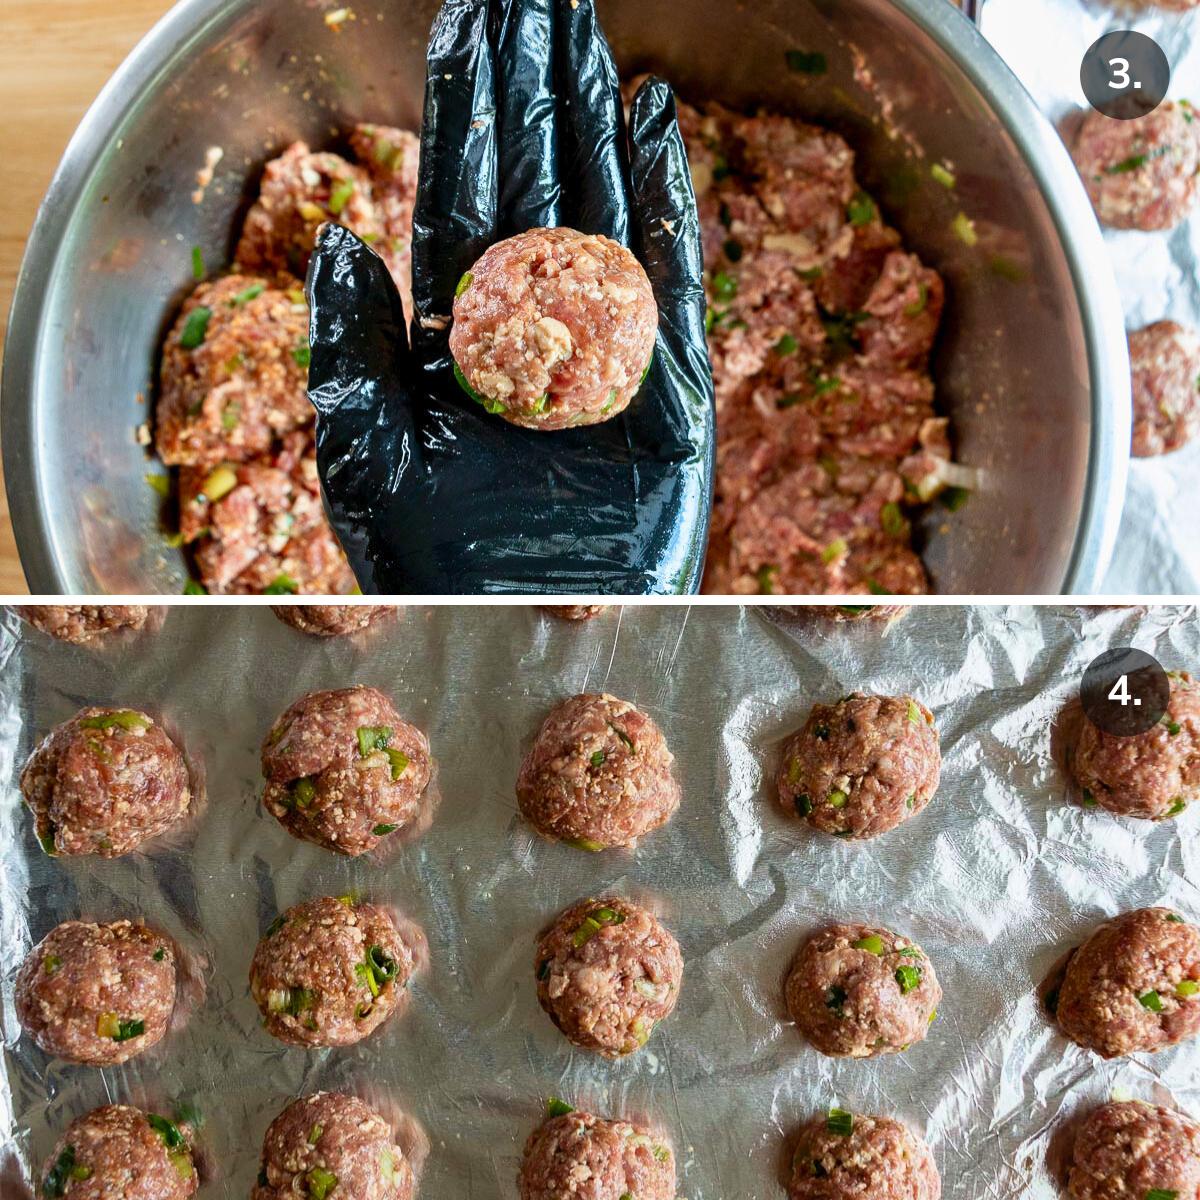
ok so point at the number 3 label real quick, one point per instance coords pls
(1120, 79)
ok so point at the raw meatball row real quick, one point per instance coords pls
(607, 973)
(329, 972)
(331, 1146)
(344, 770)
(1137, 1150)
(1134, 985)
(1165, 360)
(861, 766)
(847, 1156)
(98, 994)
(105, 782)
(121, 1153)
(598, 775)
(577, 1156)
(859, 991)
(554, 328)
(1153, 775)
(330, 620)
(82, 623)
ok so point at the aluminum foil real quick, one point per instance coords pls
(1044, 41)
(995, 879)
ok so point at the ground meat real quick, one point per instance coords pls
(97, 994)
(845, 1156)
(330, 620)
(859, 767)
(344, 770)
(1140, 174)
(574, 612)
(1165, 358)
(607, 973)
(121, 1153)
(105, 782)
(859, 991)
(1134, 985)
(1132, 1149)
(837, 614)
(820, 328)
(81, 623)
(1153, 775)
(300, 191)
(577, 1156)
(233, 374)
(329, 972)
(554, 328)
(392, 157)
(598, 775)
(259, 526)
(332, 1145)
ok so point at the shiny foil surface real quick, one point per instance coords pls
(1158, 274)
(995, 879)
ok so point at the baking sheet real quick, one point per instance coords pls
(995, 879)
(1044, 41)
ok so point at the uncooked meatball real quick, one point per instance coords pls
(121, 1153)
(233, 373)
(861, 766)
(81, 623)
(577, 1156)
(838, 614)
(598, 775)
(1153, 775)
(1130, 1148)
(574, 612)
(105, 782)
(554, 328)
(97, 994)
(329, 972)
(330, 620)
(858, 991)
(845, 1156)
(1165, 359)
(344, 770)
(1134, 985)
(329, 1146)
(607, 973)
(1140, 174)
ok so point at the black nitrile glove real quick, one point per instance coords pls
(428, 493)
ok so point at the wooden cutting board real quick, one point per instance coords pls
(54, 58)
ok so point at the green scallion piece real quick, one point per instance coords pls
(803, 804)
(195, 327)
(585, 932)
(465, 282)
(914, 713)
(840, 1121)
(873, 944)
(197, 263)
(861, 209)
(399, 761)
(340, 196)
(964, 229)
(942, 175)
(1151, 1000)
(597, 759)
(251, 293)
(908, 978)
(1160, 1194)
(124, 718)
(724, 285)
(282, 585)
(372, 738)
(302, 355)
(892, 521)
(835, 550)
(320, 1181)
(786, 345)
(384, 830)
(837, 799)
(1187, 987)
(170, 1133)
(557, 1108)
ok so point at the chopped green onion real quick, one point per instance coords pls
(372, 738)
(1160, 1194)
(340, 196)
(160, 483)
(861, 209)
(582, 843)
(399, 761)
(314, 1134)
(786, 345)
(304, 791)
(908, 978)
(65, 1169)
(195, 327)
(766, 580)
(251, 293)
(218, 483)
(1132, 163)
(840, 1121)
(1176, 808)
(302, 355)
(914, 713)
(1187, 987)
(725, 286)
(170, 1133)
(1174, 917)
(1151, 1000)
(873, 944)
(835, 1000)
(954, 498)
(918, 306)
(465, 282)
(892, 521)
(276, 925)
(1172, 727)
(320, 1181)
(491, 406)
(942, 175)
(835, 550)
(585, 932)
(557, 1108)
(282, 585)
(231, 417)
(384, 830)
(803, 804)
(964, 229)
(597, 759)
(124, 718)
(837, 799)
(806, 62)
(160, 954)
(51, 963)
(197, 263)
(192, 588)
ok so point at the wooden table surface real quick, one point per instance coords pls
(54, 58)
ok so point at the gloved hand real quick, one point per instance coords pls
(523, 127)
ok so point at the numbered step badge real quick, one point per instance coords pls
(1125, 691)
(1125, 75)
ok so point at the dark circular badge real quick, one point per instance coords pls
(1125, 692)
(1125, 75)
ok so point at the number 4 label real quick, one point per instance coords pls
(1120, 693)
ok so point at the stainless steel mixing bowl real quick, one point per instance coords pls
(1031, 365)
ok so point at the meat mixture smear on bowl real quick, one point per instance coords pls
(105, 782)
(332, 1145)
(607, 972)
(232, 411)
(329, 972)
(1134, 985)
(858, 991)
(1131, 1148)
(820, 330)
(120, 1151)
(554, 328)
(578, 1156)
(97, 994)
(344, 769)
(79, 624)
